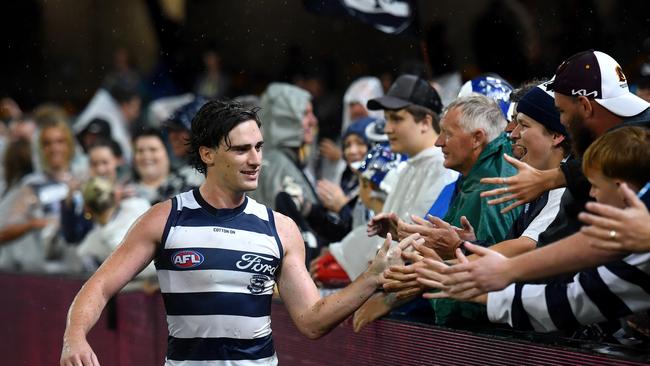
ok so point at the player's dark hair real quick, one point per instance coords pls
(212, 124)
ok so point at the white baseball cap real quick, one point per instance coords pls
(597, 76)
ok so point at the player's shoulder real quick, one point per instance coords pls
(156, 216)
(161, 208)
(282, 220)
(287, 230)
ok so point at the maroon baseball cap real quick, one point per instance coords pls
(408, 90)
(597, 76)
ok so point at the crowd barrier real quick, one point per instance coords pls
(132, 332)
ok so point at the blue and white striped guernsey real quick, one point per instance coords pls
(216, 269)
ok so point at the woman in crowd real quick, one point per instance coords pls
(153, 178)
(33, 226)
(338, 211)
(354, 110)
(104, 158)
(17, 163)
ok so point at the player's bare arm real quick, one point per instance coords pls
(315, 316)
(134, 253)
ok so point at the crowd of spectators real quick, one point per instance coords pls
(520, 204)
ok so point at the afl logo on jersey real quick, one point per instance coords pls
(187, 259)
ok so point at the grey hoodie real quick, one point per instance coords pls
(283, 106)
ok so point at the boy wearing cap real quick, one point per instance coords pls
(411, 107)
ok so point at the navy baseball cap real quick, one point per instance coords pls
(408, 90)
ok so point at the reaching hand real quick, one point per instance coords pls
(437, 234)
(395, 282)
(331, 195)
(425, 252)
(375, 307)
(77, 352)
(330, 150)
(466, 231)
(402, 279)
(489, 272)
(382, 224)
(528, 184)
(38, 223)
(400, 286)
(380, 263)
(618, 229)
(432, 275)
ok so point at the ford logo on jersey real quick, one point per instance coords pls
(187, 259)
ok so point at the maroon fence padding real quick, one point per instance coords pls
(132, 332)
(390, 342)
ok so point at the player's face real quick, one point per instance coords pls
(238, 166)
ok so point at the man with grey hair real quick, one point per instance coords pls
(473, 144)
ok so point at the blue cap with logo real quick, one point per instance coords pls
(379, 161)
(492, 86)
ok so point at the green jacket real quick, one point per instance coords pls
(490, 225)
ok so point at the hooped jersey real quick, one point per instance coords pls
(217, 270)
